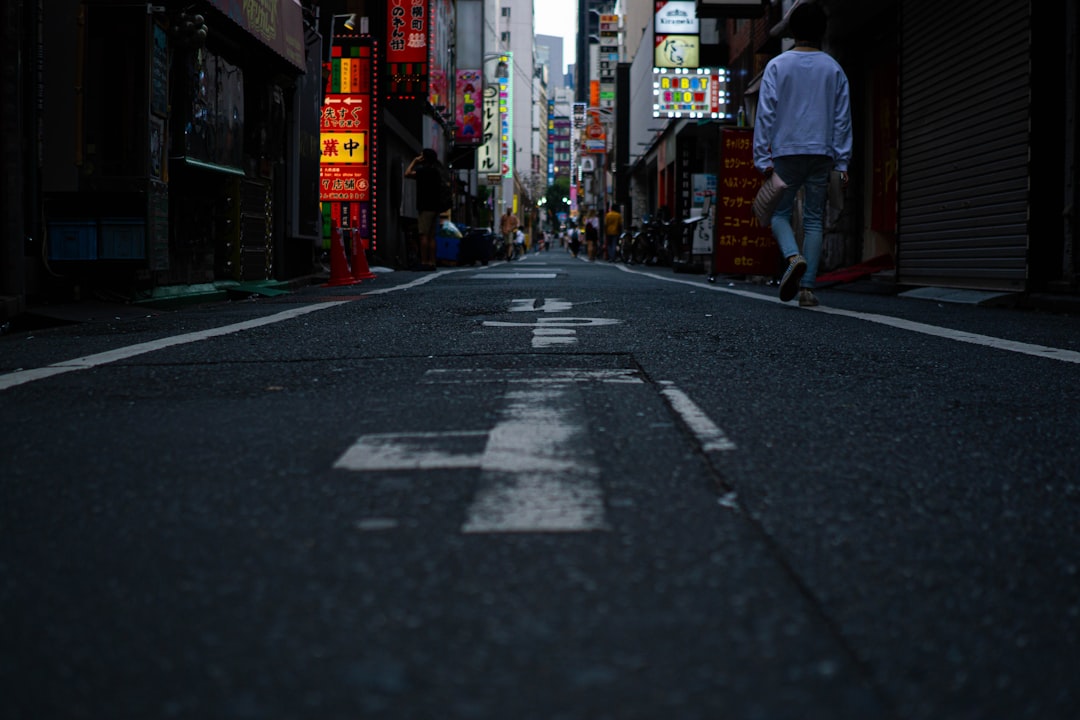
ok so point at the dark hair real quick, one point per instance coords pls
(429, 155)
(807, 22)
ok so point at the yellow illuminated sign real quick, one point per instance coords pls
(344, 148)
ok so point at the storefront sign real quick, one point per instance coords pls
(487, 158)
(676, 17)
(278, 24)
(346, 135)
(742, 245)
(700, 93)
(506, 118)
(440, 55)
(676, 51)
(407, 48)
(561, 145)
(468, 126)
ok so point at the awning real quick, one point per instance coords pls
(278, 24)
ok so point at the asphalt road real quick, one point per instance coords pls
(545, 489)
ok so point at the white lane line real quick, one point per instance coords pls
(1043, 351)
(21, 377)
(708, 433)
(516, 276)
(442, 376)
(110, 356)
(538, 472)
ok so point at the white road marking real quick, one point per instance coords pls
(440, 376)
(516, 276)
(537, 470)
(707, 432)
(20, 377)
(554, 331)
(110, 356)
(549, 305)
(572, 322)
(1042, 351)
(410, 451)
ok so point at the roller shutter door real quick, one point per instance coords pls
(964, 144)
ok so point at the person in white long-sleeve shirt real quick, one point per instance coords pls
(802, 132)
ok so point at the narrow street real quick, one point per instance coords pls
(542, 489)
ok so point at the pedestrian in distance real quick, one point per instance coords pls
(431, 193)
(802, 133)
(573, 239)
(519, 243)
(612, 228)
(508, 226)
(592, 233)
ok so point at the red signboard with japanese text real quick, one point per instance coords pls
(407, 36)
(347, 136)
(742, 246)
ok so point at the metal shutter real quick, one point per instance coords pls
(964, 144)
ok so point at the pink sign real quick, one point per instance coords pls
(468, 125)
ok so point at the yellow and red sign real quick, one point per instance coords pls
(347, 136)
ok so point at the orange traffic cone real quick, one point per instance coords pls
(361, 271)
(339, 264)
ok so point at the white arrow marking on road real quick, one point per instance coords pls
(548, 331)
(550, 305)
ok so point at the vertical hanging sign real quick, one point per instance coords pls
(440, 56)
(407, 48)
(506, 117)
(742, 245)
(468, 114)
(487, 156)
(347, 136)
(608, 59)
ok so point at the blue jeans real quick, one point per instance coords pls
(810, 172)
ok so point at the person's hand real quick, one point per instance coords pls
(768, 172)
(843, 178)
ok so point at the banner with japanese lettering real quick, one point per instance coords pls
(440, 55)
(742, 245)
(468, 112)
(506, 116)
(487, 157)
(347, 135)
(407, 34)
